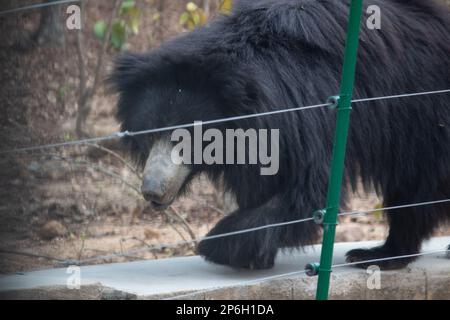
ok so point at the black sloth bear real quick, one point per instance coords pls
(276, 54)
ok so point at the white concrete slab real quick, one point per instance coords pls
(171, 276)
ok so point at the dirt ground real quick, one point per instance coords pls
(81, 202)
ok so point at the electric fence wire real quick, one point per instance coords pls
(295, 273)
(159, 246)
(122, 134)
(244, 231)
(36, 6)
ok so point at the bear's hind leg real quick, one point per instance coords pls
(408, 227)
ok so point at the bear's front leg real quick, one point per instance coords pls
(252, 250)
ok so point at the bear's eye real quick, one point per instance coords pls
(143, 143)
(138, 147)
(133, 143)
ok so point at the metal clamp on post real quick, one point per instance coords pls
(312, 269)
(327, 222)
(345, 102)
(123, 134)
(319, 216)
(333, 102)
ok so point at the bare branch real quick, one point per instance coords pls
(169, 219)
(98, 168)
(86, 94)
(151, 247)
(184, 222)
(118, 157)
(116, 7)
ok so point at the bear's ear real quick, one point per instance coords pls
(129, 68)
(238, 89)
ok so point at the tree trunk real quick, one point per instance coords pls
(51, 30)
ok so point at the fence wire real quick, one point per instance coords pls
(294, 273)
(118, 135)
(36, 6)
(123, 134)
(160, 246)
(244, 231)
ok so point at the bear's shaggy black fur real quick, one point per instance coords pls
(274, 54)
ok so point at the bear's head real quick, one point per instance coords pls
(167, 89)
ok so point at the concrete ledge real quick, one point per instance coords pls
(427, 278)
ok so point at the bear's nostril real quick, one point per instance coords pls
(147, 196)
(152, 192)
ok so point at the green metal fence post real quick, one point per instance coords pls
(339, 149)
